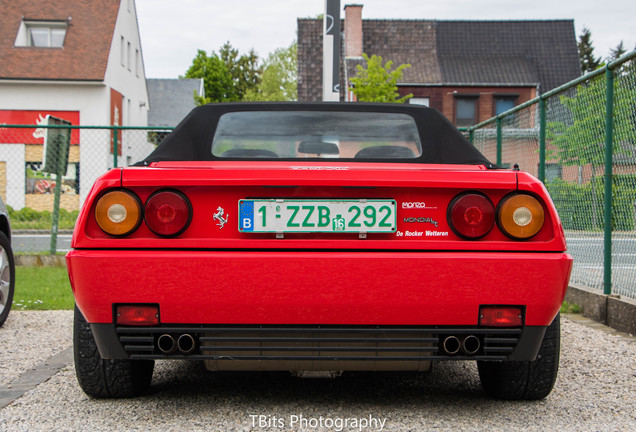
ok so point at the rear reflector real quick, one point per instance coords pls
(137, 315)
(500, 316)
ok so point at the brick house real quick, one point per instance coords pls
(468, 70)
(80, 61)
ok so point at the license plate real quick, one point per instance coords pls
(309, 216)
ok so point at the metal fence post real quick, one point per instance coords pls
(542, 140)
(499, 142)
(115, 136)
(609, 139)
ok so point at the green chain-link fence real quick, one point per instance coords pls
(47, 170)
(580, 140)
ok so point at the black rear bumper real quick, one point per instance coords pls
(317, 343)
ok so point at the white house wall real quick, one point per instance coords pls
(129, 79)
(13, 155)
(92, 102)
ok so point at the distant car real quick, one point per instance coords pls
(7, 265)
(318, 238)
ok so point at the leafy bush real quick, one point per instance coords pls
(580, 210)
(27, 218)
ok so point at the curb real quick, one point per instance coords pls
(40, 260)
(39, 374)
(611, 310)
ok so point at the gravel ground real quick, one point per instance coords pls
(596, 391)
(29, 337)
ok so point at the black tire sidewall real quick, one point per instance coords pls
(6, 245)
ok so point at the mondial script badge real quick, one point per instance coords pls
(218, 216)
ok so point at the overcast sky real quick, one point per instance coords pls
(172, 31)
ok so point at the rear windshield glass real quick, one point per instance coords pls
(314, 134)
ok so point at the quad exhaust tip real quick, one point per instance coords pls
(166, 344)
(186, 344)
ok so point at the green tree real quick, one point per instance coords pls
(377, 82)
(617, 52)
(217, 80)
(279, 79)
(227, 77)
(579, 140)
(244, 69)
(587, 59)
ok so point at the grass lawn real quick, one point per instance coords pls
(42, 288)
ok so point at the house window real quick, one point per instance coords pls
(420, 101)
(553, 172)
(137, 62)
(42, 34)
(465, 111)
(504, 103)
(122, 52)
(128, 56)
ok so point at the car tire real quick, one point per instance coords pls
(525, 380)
(7, 277)
(106, 378)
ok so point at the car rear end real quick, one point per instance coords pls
(320, 248)
(446, 263)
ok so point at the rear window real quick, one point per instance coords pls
(315, 134)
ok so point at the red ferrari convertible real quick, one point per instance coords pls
(318, 238)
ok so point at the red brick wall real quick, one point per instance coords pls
(443, 98)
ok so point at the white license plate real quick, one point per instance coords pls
(299, 215)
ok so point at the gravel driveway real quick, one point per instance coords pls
(596, 391)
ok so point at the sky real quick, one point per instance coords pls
(172, 31)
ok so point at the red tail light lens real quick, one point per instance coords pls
(471, 215)
(500, 316)
(137, 315)
(168, 213)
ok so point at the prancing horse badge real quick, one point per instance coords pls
(218, 216)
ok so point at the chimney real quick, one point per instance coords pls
(353, 30)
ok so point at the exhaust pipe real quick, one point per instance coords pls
(186, 344)
(166, 344)
(470, 345)
(451, 345)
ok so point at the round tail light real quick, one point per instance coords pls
(168, 213)
(471, 215)
(118, 212)
(520, 216)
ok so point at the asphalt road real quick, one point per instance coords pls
(31, 243)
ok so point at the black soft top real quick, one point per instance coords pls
(441, 142)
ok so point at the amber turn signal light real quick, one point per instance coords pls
(520, 216)
(118, 213)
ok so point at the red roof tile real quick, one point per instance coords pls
(86, 47)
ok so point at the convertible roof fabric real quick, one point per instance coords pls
(441, 142)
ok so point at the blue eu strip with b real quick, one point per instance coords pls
(247, 215)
